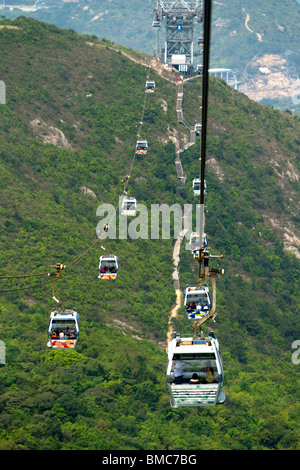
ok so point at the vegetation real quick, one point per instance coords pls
(276, 22)
(111, 393)
(131, 23)
(242, 32)
(273, 22)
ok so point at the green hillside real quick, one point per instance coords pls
(110, 394)
(258, 41)
(272, 28)
(130, 24)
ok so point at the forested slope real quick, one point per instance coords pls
(258, 40)
(247, 27)
(110, 393)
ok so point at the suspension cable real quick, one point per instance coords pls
(25, 275)
(134, 153)
(207, 21)
(99, 238)
(205, 80)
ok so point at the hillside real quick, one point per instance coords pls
(265, 40)
(248, 28)
(129, 24)
(73, 109)
(258, 40)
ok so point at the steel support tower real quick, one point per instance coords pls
(179, 18)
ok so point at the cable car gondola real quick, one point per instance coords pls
(129, 206)
(197, 302)
(156, 24)
(195, 241)
(63, 330)
(141, 147)
(108, 267)
(200, 41)
(195, 371)
(150, 86)
(199, 69)
(198, 128)
(197, 185)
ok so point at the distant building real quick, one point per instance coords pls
(227, 75)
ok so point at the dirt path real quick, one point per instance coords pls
(174, 312)
(175, 276)
(258, 35)
(181, 238)
(246, 23)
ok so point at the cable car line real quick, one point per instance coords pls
(105, 229)
(109, 265)
(136, 151)
(202, 255)
(25, 275)
(82, 254)
(195, 371)
(205, 80)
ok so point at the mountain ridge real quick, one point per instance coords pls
(255, 32)
(110, 393)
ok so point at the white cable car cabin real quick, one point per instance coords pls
(195, 372)
(156, 24)
(197, 302)
(199, 69)
(129, 206)
(63, 330)
(150, 86)
(141, 147)
(108, 267)
(197, 186)
(200, 40)
(195, 241)
(198, 128)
